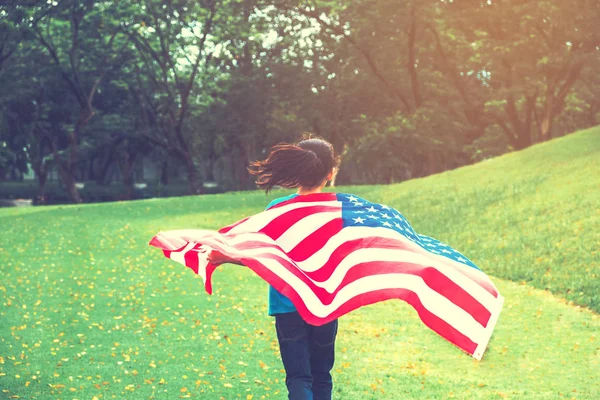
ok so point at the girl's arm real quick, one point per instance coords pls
(217, 257)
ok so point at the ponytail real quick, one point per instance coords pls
(305, 164)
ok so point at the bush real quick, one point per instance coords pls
(19, 190)
(94, 193)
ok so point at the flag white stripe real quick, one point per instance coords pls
(178, 238)
(179, 256)
(489, 329)
(297, 232)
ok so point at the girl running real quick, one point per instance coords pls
(307, 351)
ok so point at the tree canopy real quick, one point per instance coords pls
(403, 88)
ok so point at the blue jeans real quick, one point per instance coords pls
(307, 353)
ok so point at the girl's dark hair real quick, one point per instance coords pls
(306, 163)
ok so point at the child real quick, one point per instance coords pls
(307, 351)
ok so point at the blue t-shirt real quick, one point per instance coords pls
(278, 303)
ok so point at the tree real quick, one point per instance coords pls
(176, 51)
(25, 116)
(530, 54)
(61, 31)
(376, 64)
(403, 88)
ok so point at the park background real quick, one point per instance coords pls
(105, 101)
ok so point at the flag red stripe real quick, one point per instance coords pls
(191, 258)
(320, 236)
(278, 225)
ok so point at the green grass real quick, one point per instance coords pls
(88, 310)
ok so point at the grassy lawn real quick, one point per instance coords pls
(88, 310)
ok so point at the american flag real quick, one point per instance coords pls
(331, 253)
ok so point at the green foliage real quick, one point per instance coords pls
(94, 193)
(406, 88)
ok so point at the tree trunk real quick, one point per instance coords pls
(41, 175)
(66, 174)
(544, 124)
(126, 164)
(521, 139)
(592, 112)
(68, 179)
(233, 171)
(91, 174)
(545, 128)
(247, 156)
(42, 179)
(101, 178)
(555, 98)
(195, 186)
(210, 169)
(69, 182)
(520, 136)
(431, 163)
(164, 173)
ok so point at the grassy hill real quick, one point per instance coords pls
(531, 216)
(88, 310)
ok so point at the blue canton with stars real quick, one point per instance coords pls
(357, 211)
